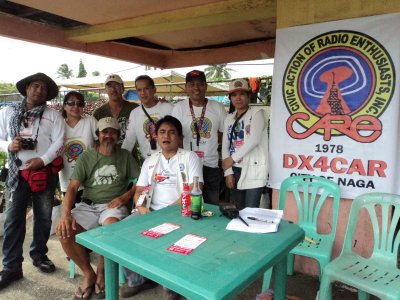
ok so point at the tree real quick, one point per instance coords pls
(7, 88)
(82, 71)
(64, 72)
(218, 72)
(95, 73)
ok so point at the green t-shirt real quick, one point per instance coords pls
(105, 177)
(123, 118)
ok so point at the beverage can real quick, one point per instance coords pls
(186, 203)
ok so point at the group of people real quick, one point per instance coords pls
(101, 173)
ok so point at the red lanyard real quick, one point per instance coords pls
(196, 127)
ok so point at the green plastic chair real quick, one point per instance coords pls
(309, 206)
(378, 274)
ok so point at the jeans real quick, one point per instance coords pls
(15, 223)
(212, 177)
(133, 279)
(245, 198)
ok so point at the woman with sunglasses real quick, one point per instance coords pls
(245, 147)
(80, 136)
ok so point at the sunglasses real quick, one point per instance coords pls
(73, 103)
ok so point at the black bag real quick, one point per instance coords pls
(228, 211)
(3, 174)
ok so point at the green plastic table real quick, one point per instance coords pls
(220, 268)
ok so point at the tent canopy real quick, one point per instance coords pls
(168, 83)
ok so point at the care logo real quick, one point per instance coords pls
(204, 128)
(149, 126)
(338, 83)
(73, 149)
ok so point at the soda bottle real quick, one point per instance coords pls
(196, 198)
(185, 201)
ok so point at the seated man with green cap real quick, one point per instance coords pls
(104, 172)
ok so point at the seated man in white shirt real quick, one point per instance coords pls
(163, 174)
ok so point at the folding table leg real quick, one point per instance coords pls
(280, 279)
(267, 280)
(111, 271)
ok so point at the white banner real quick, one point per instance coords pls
(335, 104)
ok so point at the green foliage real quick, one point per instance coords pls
(218, 72)
(90, 96)
(95, 73)
(3, 158)
(82, 71)
(7, 88)
(266, 90)
(64, 72)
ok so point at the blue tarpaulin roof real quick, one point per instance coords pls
(131, 95)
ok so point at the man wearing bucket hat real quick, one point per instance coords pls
(32, 134)
(104, 172)
(202, 122)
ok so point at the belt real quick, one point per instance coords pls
(87, 201)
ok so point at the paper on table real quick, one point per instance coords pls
(161, 230)
(270, 219)
(187, 244)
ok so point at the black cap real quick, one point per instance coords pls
(195, 74)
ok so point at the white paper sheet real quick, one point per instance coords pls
(267, 220)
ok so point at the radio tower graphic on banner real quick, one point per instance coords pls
(333, 99)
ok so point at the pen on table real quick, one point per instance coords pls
(240, 218)
(310, 240)
(261, 220)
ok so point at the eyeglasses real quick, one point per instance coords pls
(73, 103)
(113, 86)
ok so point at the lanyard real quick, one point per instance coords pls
(153, 145)
(198, 128)
(233, 130)
(25, 122)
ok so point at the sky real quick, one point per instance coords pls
(20, 59)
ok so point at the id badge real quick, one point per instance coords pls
(28, 130)
(143, 196)
(200, 154)
(239, 143)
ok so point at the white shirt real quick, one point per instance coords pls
(166, 190)
(213, 122)
(79, 139)
(249, 136)
(50, 139)
(139, 126)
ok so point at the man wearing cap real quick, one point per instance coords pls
(203, 123)
(117, 107)
(104, 172)
(143, 119)
(32, 134)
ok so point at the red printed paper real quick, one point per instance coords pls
(187, 244)
(160, 230)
